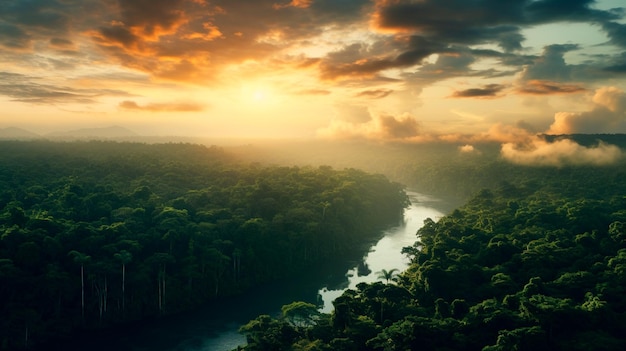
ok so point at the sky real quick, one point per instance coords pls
(384, 70)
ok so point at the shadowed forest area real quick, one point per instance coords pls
(94, 234)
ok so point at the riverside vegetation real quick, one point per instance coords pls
(535, 261)
(97, 234)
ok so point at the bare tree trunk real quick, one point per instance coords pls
(123, 289)
(82, 291)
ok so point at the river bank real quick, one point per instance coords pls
(215, 326)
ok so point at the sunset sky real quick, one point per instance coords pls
(401, 70)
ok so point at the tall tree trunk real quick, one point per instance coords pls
(82, 291)
(123, 289)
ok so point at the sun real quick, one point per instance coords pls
(259, 95)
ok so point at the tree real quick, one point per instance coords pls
(388, 275)
(300, 314)
(81, 259)
(124, 257)
(265, 333)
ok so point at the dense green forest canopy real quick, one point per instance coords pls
(99, 233)
(535, 261)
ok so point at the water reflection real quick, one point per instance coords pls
(386, 253)
(215, 327)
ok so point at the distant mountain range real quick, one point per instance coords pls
(113, 132)
(13, 133)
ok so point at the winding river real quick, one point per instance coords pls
(214, 327)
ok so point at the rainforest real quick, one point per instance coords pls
(97, 235)
(533, 261)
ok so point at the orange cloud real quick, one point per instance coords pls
(607, 115)
(539, 152)
(544, 87)
(165, 107)
(294, 3)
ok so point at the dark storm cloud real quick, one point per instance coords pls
(120, 35)
(489, 90)
(357, 60)
(48, 14)
(152, 15)
(484, 21)
(616, 33)
(462, 23)
(23, 22)
(23, 88)
(564, 10)
(339, 11)
(13, 37)
(618, 68)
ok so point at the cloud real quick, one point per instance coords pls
(375, 94)
(62, 44)
(151, 18)
(378, 127)
(312, 92)
(608, 115)
(616, 32)
(453, 21)
(544, 87)
(163, 107)
(350, 60)
(13, 37)
(401, 128)
(539, 152)
(489, 91)
(348, 44)
(187, 40)
(550, 65)
(482, 21)
(28, 89)
(295, 3)
(467, 149)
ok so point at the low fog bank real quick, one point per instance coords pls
(454, 170)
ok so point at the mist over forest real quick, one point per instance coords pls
(112, 232)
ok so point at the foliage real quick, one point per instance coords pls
(539, 264)
(99, 233)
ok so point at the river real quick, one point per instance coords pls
(214, 327)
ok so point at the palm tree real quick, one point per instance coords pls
(388, 275)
